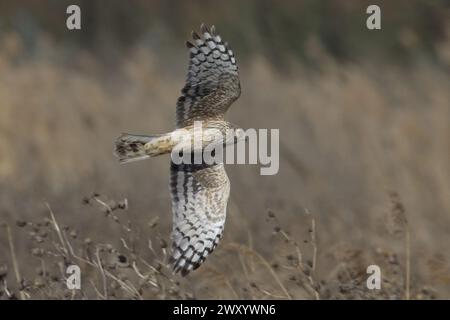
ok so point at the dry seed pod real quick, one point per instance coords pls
(21, 223)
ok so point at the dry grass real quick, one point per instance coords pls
(350, 134)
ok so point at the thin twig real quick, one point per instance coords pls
(244, 268)
(144, 277)
(310, 286)
(314, 244)
(5, 288)
(267, 293)
(223, 278)
(14, 262)
(265, 263)
(408, 262)
(102, 272)
(250, 245)
(109, 211)
(57, 229)
(96, 290)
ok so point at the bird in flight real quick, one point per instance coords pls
(199, 191)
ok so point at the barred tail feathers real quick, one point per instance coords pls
(131, 147)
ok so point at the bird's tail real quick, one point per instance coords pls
(132, 147)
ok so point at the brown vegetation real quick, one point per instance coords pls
(364, 179)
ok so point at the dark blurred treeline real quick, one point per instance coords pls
(278, 29)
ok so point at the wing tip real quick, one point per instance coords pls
(195, 35)
(204, 28)
(184, 269)
(189, 45)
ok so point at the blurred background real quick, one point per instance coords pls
(363, 116)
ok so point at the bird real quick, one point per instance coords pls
(199, 191)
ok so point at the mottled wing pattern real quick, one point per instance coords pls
(199, 201)
(212, 83)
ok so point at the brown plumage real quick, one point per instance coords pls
(199, 192)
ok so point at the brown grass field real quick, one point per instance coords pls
(364, 179)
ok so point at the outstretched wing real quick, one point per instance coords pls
(199, 201)
(212, 83)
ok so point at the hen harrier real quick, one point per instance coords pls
(199, 191)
